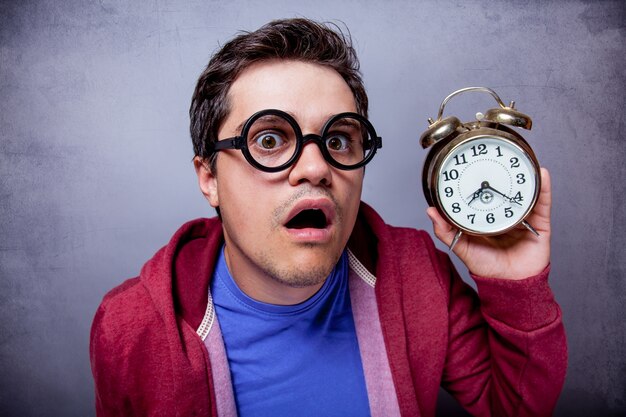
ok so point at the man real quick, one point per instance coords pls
(299, 299)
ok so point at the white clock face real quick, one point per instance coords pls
(487, 184)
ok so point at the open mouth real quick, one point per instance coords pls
(308, 219)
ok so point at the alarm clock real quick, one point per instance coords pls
(482, 176)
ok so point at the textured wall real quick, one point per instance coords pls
(95, 169)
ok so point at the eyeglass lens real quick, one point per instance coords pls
(272, 141)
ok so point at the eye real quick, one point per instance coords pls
(337, 142)
(269, 141)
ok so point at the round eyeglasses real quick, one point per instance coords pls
(272, 141)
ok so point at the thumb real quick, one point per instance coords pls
(442, 229)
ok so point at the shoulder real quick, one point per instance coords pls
(405, 255)
(125, 313)
(411, 239)
(128, 350)
(124, 301)
(392, 234)
(400, 244)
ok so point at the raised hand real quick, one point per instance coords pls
(516, 254)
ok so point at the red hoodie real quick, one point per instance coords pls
(502, 355)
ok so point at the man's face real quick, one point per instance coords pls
(276, 238)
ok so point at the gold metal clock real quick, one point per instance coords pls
(482, 176)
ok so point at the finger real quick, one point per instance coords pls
(539, 218)
(545, 195)
(442, 229)
(544, 202)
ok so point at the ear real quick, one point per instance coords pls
(207, 181)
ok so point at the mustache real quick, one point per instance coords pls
(306, 191)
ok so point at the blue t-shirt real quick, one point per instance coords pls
(299, 360)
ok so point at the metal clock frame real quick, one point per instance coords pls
(445, 134)
(475, 130)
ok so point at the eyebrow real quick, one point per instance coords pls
(239, 127)
(267, 117)
(270, 117)
(349, 122)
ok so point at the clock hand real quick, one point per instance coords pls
(478, 193)
(475, 195)
(485, 184)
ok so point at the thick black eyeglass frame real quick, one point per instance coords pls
(240, 142)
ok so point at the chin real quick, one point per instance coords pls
(301, 278)
(303, 271)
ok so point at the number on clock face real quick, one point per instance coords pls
(486, 184)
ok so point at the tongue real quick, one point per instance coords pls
(308, 219)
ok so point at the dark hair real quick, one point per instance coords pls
(295, 39)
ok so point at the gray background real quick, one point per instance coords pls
(96, 173)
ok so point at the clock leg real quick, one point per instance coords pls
(456, 239)
(529, 227)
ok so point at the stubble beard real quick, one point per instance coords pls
(294, 275)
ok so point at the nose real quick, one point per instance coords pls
(311, 167)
